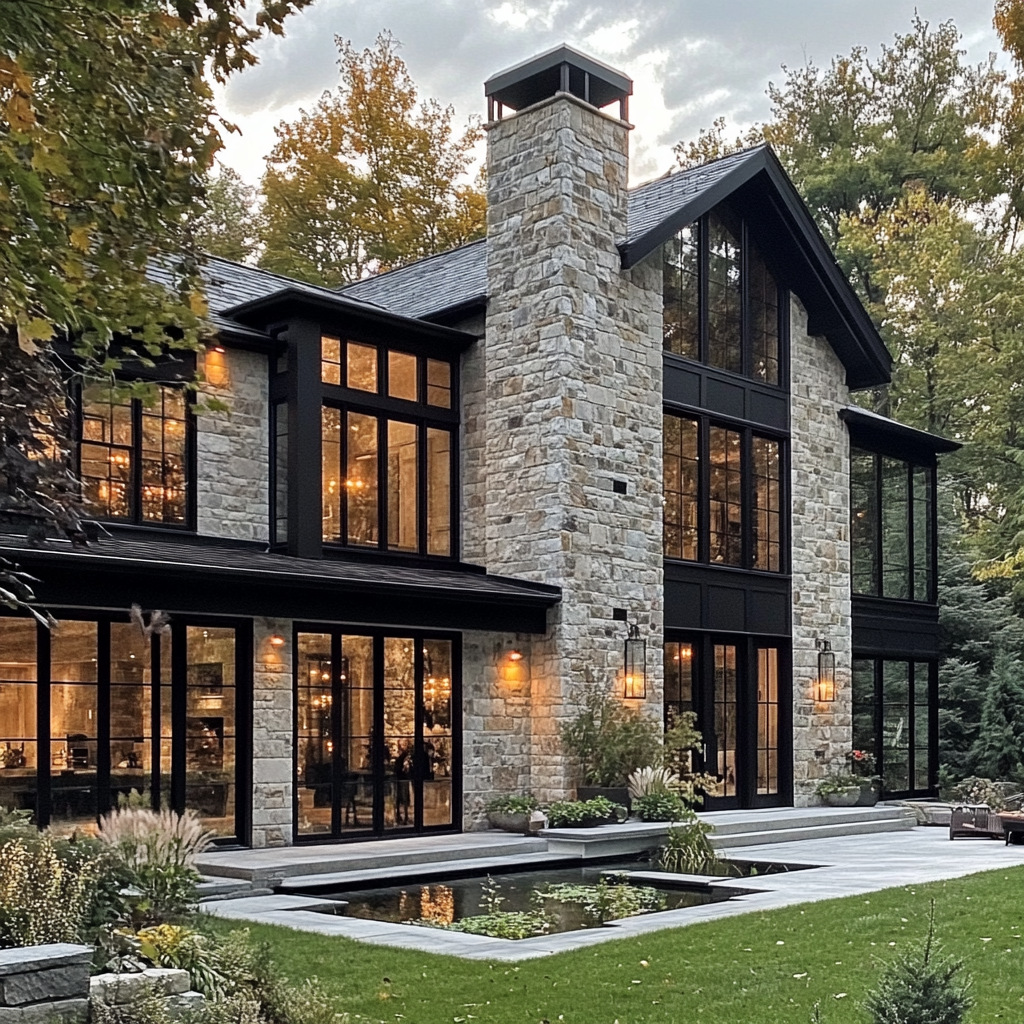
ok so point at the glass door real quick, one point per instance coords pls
(375, 734)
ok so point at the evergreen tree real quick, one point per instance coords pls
(999, 749)
(961, 693)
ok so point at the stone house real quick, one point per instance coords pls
(441, 497)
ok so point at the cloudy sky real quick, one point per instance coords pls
(690, 60)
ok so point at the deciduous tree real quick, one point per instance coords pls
(228, 226)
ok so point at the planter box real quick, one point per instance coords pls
(869, 794)
(525, 822)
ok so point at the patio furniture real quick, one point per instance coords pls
(1013, 828)
(975, 820)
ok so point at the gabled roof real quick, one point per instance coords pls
(434, 286)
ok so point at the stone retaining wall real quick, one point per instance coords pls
(44, 984)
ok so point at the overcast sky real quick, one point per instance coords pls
(690, 60)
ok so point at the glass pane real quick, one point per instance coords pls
(281, 472)
(682, 476)
(106, 454)
(402, 472)
(164, 642)
(131, 713)
(864, 522)
(399, 730)
(896, 738)
(437, 732)
(18, 759)
(922, 726)
(767, 547)
(679, 674)
(330, 360)
(402, 376)
(895, 529)
(767, 720)
(439, 492)
(725, 718)
(357, 702)
(681, 292)
(764, 319)
(330, 446)
(924, 541)
(314, 751)
(361, 479)
(362, 367)
(726, 497)
(210, 727)
(725, 336)
(439, 383)
(864, 705)
(164, 453)
(73, 652)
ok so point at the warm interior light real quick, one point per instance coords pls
(276, 640)
(515, 655)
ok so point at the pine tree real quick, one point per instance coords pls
(999, 749)
(961, 693)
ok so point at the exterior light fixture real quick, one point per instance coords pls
(635, 665)
(825, 686)
(277, 640)
(515, 655)
(216, 348)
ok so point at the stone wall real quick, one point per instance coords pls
(820, 481)
(232, 447)
(473, 444)
(45, 984)
(573, 403)
(272, 734)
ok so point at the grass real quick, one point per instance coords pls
(759, 967)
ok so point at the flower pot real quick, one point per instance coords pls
(523, 822)
(870, 791)
(617, 794)
(844, 798)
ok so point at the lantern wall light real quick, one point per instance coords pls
(635, 665)
(825, 685)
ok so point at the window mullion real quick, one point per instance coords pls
(382, 483)
(703, 352)
(136, 461)
(746, 367)
(703, 491)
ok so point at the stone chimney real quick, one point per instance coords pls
(572, 482)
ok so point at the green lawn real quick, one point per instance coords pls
(759, 967)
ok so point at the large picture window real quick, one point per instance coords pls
(892, 527)
(722, 306)
(732, 513)
(134, 456)
(387, 475)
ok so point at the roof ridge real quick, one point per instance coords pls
(744, 151)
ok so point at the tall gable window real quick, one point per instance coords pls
(388, 435)
(134, 456)
(723, 495)
(722, 305)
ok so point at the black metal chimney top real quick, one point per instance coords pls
(562, 69)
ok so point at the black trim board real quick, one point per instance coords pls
(876, 433)
(705, 597)
(894, 629)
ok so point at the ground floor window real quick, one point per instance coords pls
(376, 732)
(895, 717)
(738, 687)
(93, 712)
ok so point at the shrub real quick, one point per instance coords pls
(976, 790)
(512, 804)
(652, 780)
(921, 986)
(576, 812)
(169, 945)
(664, 806)
(42, 898)
(687, 849)
(837, 782)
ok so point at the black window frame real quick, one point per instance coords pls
(705, 423)
(747, 239)
(878, 545)
(135, 520)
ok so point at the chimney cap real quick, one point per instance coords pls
(562, 69)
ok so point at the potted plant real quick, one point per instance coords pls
(839, 789)
(585, 813)
(862, 765)
(514, 813)
(608, 741)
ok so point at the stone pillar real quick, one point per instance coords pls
(573, 405)
(272, 760)
(821, 553)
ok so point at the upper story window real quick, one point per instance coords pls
(388, 436)
(723, 495)
(892, 504)
(134, 456)
(722, 306)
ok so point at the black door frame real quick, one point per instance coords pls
(379, 776)
(703, 645)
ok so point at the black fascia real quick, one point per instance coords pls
(821, 283)
(875, 433)
(292, 303)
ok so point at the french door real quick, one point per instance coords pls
(377, 738)
(739, 688)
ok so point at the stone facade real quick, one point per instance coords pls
(232, 447)
(573, 404)
(820, 528)
(272, 734)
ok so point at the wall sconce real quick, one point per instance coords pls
(635, 665)
(277, 640)
(515, 655)
(825, 686)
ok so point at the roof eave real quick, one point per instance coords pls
(875, 425)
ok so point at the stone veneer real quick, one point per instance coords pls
(272, 734)
(232, 447)
(820, 481)
(573, 370)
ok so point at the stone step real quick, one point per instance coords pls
(411, 873)
(743, 822)
(221, 887)
(792, 835)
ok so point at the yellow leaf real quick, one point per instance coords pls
(80, 238)
(197, 304)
